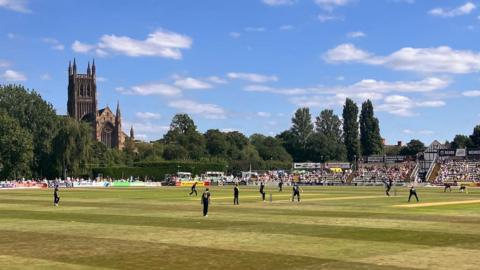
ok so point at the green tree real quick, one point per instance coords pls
(16, 151)
(37, 117)
(183, 132)
(175, 152)
(236, 143)
(71, 147)
(270, 148)
(302, 127)
(412, 148)
(296, 139)
(330, 127)
(216, 143)
(370, 139)
(461, 141)
(181, 124)
(475, 137)
(350, 129)
(289, 143)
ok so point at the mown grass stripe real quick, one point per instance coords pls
(326, 231)
(128, 254)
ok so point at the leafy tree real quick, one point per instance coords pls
(302, 127)
(175, 152)
(37, 117)
(71, 146)
(149, 151)
(461, 141)
(370, 139)
(318, 148)
(16, 151)
(475, 137)
(183, 132)
(269, 148)
(350, 129)
(330, 127)
(181, 124)
(412, 148)
(392, 150)
(236, 143)
(216, 143)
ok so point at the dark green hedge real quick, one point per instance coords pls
(158, 170)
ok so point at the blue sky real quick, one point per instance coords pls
(248, 65)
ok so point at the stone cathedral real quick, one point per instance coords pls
(82, 105)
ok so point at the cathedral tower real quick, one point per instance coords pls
(82, 93)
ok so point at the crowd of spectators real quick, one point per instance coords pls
(380, 173)
(458, 171)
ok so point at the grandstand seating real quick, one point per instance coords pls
(458, 170)
(376, 174)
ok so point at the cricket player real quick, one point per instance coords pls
(56, 198)
(413, 192)
(296, 192)
(236, 191)
(447, 186)
(205, 202)
(262, 190)
(193, 189)
(388, 187)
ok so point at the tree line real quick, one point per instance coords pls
(36, 142)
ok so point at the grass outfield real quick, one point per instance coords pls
(162, 228)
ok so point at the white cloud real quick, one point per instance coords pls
(425, 85)
(331, 4)
(45, 77)
(404, 1)
(151, 89)
(191, 83)
(80, 47)
(11, 35)
(4, 63)
(356, 34)
(209, 111)
(318, 101)
(346, 53)
(146, 127)
(255, 29)
(472, 93)
(234, 34)
(425, 60)
(281, 91)
(148, 115)
(264, 114)
(227, 130)
(15, 5)
(421, 132)
(465, 9)
(286, 27)
(217, 80)
(55, 44)
(426, 132)
(279, 2)
(161, 43)
(404, 106)
(252, 77)
(101, 79)
(367, 88)
(13, 76)
(327, 17)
